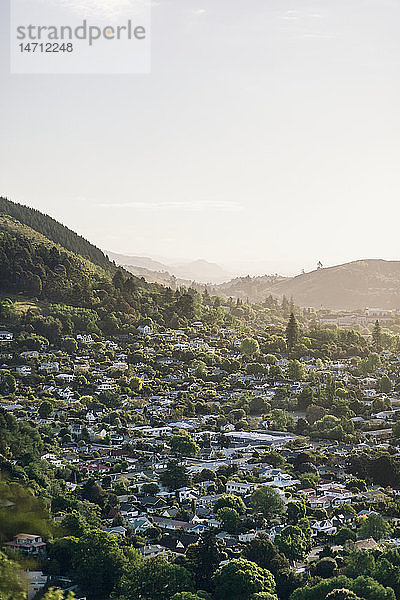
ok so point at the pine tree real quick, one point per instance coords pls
(377, 335)
(292, 333)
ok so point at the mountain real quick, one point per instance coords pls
(53, 231)
(358, 284)
(200, 270)
(143, 262)
(72, 286)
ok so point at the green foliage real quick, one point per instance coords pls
(292, 333)
(267, 500)
(249, 347)
(365, 588)
(154, 579)
(375, 526)
(175, 476)
(98, 563)
(204, 558)
(53, 230)
(11, 580)
(230, 501)
(240, 579)
(229, 519)
(264, 553)
(183, 444)
(292, 542)
(21, 511)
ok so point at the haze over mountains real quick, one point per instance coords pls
(200, 270)
(358, 284)
(350, 286)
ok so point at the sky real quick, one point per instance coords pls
(265, 138)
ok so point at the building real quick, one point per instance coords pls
(31, 545)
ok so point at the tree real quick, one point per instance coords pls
(292, 542)
(183, 444)
(295, 511)
(364, 588)
(45, 410)
(154, 579)
(204, 558)
(292, 332)
(396, 429)
(377, 335)
(385, 385)
(175, 476)
(296, 371)
(230, 501)
(240, 579)
(358, 562)
(136, 384)
(11, 582)
(69, 345)
(150, 488)
(263, 552)
(325, 567)
(343, 535)
(268, 501)
(229, 519)
(342, 594)
(93, 492)
(258, 406)
(53, 594)
(98, 564)
(249, 347)
(375, 526)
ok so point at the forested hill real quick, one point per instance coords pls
(54, 231)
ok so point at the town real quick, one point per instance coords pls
(203, 461)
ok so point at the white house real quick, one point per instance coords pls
(325, 527)
(239, 487)
(6, 336)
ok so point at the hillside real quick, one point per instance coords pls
(358, 284)
(35, 268)
(53, 230)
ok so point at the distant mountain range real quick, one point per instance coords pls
(358, 284)
(200, 271)
(363, 283)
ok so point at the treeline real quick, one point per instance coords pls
(54, 231)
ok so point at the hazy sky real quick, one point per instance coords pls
(267, 132)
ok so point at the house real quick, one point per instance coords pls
(36, 583)
(31, 545)
(325, 527)
(239, 487)
(185, 494)
(84, 338)
(66, 377)
(6, 336)
(152, 550)
(139, 524)
(24, 370)
(119, 530)
(319, 501)
(52, 459)
(50, 367)
(144, 329)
